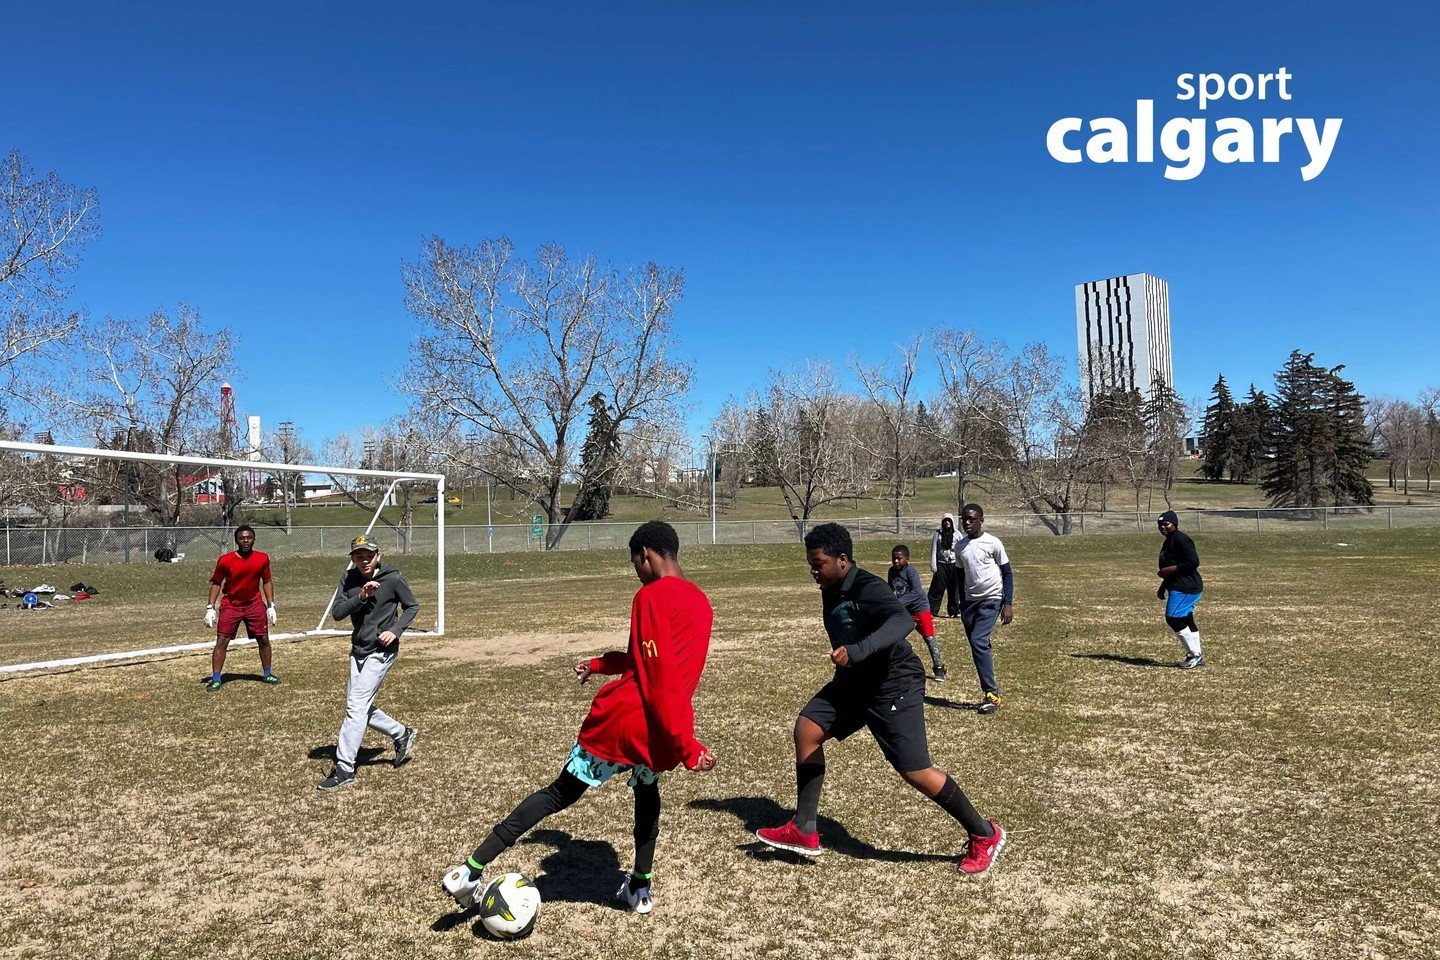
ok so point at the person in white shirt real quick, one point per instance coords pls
(988, 595)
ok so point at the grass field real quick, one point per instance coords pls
(1280, 802)
(933, 496)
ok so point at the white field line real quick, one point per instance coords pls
(180, 648)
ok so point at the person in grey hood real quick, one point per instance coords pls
(378, 601)
(946, 582)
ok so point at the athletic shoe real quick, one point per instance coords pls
(338, 778)
(461, 888)
(792, 838)
(212, 685)
(981, 852)
(940, 675)
(405, 745)
(1191, 662)
(637, 900)
(271, 679)
(991, 703)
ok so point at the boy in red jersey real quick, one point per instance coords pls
(242, 576)
(643, 723)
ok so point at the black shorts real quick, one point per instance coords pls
(896, 723)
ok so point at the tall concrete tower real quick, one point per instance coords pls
(1123, 328)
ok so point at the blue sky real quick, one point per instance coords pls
(832, 178)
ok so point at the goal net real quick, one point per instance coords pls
(107, 554)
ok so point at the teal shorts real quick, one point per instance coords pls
(584, 765)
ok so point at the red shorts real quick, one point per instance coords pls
(924, 622)
(251, 614)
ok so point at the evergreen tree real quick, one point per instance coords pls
(1219, 431)
(599, 460)
(1319, 439)
(1351, 452)
(1164, 416)
(1250, 441)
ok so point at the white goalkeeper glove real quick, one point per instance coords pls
(270, 614)
(211, 616)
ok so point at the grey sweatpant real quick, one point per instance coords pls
(360, 710)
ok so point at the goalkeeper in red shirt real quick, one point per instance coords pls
(249, 598)
(642, 723)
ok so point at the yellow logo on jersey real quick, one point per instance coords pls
(648, 649)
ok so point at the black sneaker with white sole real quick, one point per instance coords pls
(1190, 663)
(338, 778)
(940, 675)
(405, 745)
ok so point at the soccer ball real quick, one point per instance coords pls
(510, 906)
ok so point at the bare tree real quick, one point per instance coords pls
(890, 389)
(799, 433)
(152, 385)
(285, 444)
(400, 445)
(515, 349)
(1398, 427)
(1052, 458)
(1430, 432)
(44, 224)
(970, 409)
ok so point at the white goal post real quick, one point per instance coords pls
(248, 466)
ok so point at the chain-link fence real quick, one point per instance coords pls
(40, 545)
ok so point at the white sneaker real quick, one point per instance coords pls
(461, 888)
(638, 900)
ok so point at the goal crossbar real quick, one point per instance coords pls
(396, 476)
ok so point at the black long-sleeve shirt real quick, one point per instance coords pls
(905, 584)
(372, 617)
(862, 615)
(1179, 552)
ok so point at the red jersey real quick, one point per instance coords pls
(646, 715)
(241, 575)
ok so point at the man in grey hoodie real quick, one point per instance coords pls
(947, 583)
(380, 606)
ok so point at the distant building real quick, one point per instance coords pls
(1123, 328)
(208, 486)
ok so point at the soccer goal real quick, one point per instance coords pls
(74, 510)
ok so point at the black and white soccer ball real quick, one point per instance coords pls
(510, 906)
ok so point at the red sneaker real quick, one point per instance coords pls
(792, 838)
(981, 852)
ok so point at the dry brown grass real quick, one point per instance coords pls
(1279, 803)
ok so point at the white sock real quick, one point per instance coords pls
(1191, 641)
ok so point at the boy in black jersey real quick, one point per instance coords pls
(880, 684)
(1180, 587)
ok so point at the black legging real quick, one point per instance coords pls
(1180, 623)
(566, 789)
(946, 581)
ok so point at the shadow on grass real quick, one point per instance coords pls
(579, 871)
(756, 812)
(971, 705)
(366, 757)
(232, 677)
(1116, 658)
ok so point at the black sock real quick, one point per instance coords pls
(953, 801)
(639, 881)
(566, 789)
(809, 777)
